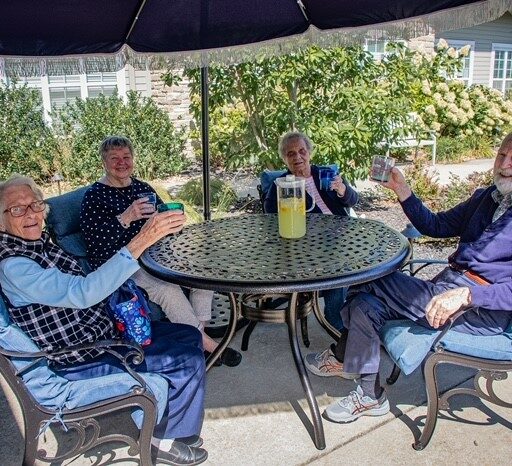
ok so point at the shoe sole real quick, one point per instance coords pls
(174, 463)
(319, 373)
(159, 460)
(383, 410)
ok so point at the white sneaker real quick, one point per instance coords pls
(355, 405)
(325, 364)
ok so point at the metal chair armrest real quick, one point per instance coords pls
(409, 265)
(134, 355)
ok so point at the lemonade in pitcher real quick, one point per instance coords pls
(292, 217)
(291, 206)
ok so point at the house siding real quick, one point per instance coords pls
(484, 35)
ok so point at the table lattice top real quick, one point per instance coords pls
(247, 254)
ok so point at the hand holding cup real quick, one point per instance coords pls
(158, 226)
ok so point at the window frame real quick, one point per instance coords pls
(499, 47)
(457, 44)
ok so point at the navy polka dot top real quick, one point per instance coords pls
(103, 234)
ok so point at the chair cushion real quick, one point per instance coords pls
(267, 177)
(63, 221)
(55, 392)
(408, 344)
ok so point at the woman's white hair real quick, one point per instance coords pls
(290, 135)
(19, 180)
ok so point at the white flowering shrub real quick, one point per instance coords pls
(450, 108)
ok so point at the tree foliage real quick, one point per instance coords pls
(351, 105)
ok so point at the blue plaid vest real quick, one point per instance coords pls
(51, 327)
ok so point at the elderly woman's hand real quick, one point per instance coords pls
(139, 209)
(157, 226)
(338, 186)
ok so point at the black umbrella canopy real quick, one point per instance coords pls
(56, 28)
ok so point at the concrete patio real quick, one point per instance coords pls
(256, 415)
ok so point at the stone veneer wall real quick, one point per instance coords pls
(175, 100)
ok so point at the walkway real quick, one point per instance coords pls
(255, 415)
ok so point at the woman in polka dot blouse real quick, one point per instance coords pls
(112, 213)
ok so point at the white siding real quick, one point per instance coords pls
(484, 36)
(143, 82)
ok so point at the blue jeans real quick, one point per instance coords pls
(333, 302)
(176, 353)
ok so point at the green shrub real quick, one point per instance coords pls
(460, 148)
(459, 189)
(423, 182)
(27, 145)
(221, 194)
(83, 124)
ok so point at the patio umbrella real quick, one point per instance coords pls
(73, 36)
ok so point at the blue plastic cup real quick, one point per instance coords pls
(151, 198)
(326, 177)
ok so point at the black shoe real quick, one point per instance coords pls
(191, 441)
(217, 362)
(179, 455)
(230, 357)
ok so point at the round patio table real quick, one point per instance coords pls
(246, 255)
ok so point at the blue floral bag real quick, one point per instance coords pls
(130, 311)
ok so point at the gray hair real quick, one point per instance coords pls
(19, 180)
(114, 142)
(287, 137)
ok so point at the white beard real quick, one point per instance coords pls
(504, 184)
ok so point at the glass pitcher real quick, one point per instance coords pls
(291, 206)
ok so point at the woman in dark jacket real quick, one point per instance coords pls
(295, 149)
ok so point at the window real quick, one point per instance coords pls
(466, 74)
(501, 67)
(377, 46)
(57, 90)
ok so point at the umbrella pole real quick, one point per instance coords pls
(205, 143)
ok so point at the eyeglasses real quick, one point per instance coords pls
(21, 210)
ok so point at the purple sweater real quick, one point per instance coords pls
(485, 247)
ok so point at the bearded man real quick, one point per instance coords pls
(478, 279)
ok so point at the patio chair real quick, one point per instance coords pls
(40, 398)
(410, 345)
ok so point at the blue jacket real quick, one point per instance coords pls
(485, 247)
(337, 205)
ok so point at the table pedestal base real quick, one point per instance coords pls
(294, 310)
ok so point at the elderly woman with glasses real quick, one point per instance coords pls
(112, 212)
(49, 298)
(296, 150)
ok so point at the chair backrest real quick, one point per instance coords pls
(63, 224)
